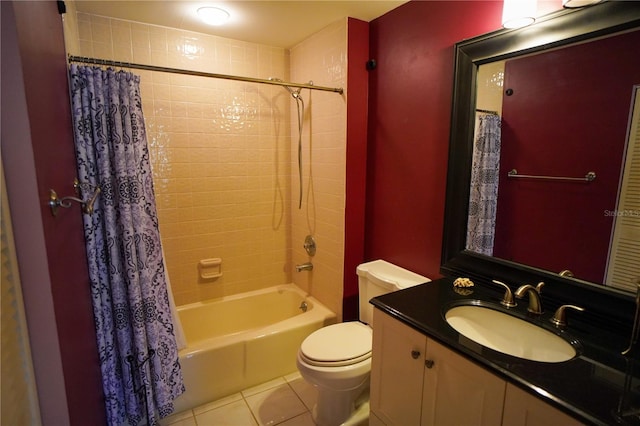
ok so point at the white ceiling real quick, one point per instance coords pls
(275, 23)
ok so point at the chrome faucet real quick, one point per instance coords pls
(535, 305)
(304, 267)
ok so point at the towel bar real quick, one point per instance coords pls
(589, 177)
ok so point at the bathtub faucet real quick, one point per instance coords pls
(304, 267)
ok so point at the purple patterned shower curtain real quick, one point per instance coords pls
(483, 198)
(137, 347)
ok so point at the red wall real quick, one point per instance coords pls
(357, 75)
(409, 116)
(555, 217)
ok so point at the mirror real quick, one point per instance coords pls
(550, 33)
(555, 117)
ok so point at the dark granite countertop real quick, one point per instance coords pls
(594, 387)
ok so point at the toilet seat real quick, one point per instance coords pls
(338, 345)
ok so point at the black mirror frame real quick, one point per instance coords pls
(605, 305)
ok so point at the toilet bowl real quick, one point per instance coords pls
(336, 359)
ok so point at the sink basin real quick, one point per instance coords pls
(509, 334)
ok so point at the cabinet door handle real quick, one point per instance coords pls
(415, 354)
(428, 363)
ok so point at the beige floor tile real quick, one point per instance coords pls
(275, 405)
(286, 401)
(301, 420)
(233, 414)
(305, 391)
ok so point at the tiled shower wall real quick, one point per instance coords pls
(219, 152)
(322, 58)
(224, 154)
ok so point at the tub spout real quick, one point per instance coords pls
(304, 267)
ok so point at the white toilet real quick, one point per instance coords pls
(337, 359)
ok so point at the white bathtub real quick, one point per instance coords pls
(243, 340)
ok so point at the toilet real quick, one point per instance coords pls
(336, 359)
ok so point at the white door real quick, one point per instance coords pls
(623, 266)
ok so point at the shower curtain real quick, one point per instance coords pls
(136, 340)
(483, 198)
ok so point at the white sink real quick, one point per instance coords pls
(508, 334)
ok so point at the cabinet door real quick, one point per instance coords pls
(374, 420)
(397, 366)
(459, 392)
(523, 409)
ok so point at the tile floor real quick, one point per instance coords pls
(286, 401)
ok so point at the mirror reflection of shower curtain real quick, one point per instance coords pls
(483, 197)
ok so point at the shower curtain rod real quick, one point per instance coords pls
(486, 111)
(104, 62)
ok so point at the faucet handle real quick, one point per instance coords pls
(507, 299)
(539, 287)
(559, 318)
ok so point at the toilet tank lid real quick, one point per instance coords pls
(390, 274)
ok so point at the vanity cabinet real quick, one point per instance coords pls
(458, 392)
(397, 368)
(417, 381)
(522, 409)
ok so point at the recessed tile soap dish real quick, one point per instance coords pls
(210, 269)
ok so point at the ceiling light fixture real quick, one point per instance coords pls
(575, 4)
(518, 13)
(213, 15)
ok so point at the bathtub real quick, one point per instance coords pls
(240, 341)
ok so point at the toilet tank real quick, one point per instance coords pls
(380, 277)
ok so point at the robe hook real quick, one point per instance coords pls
(87, 205)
